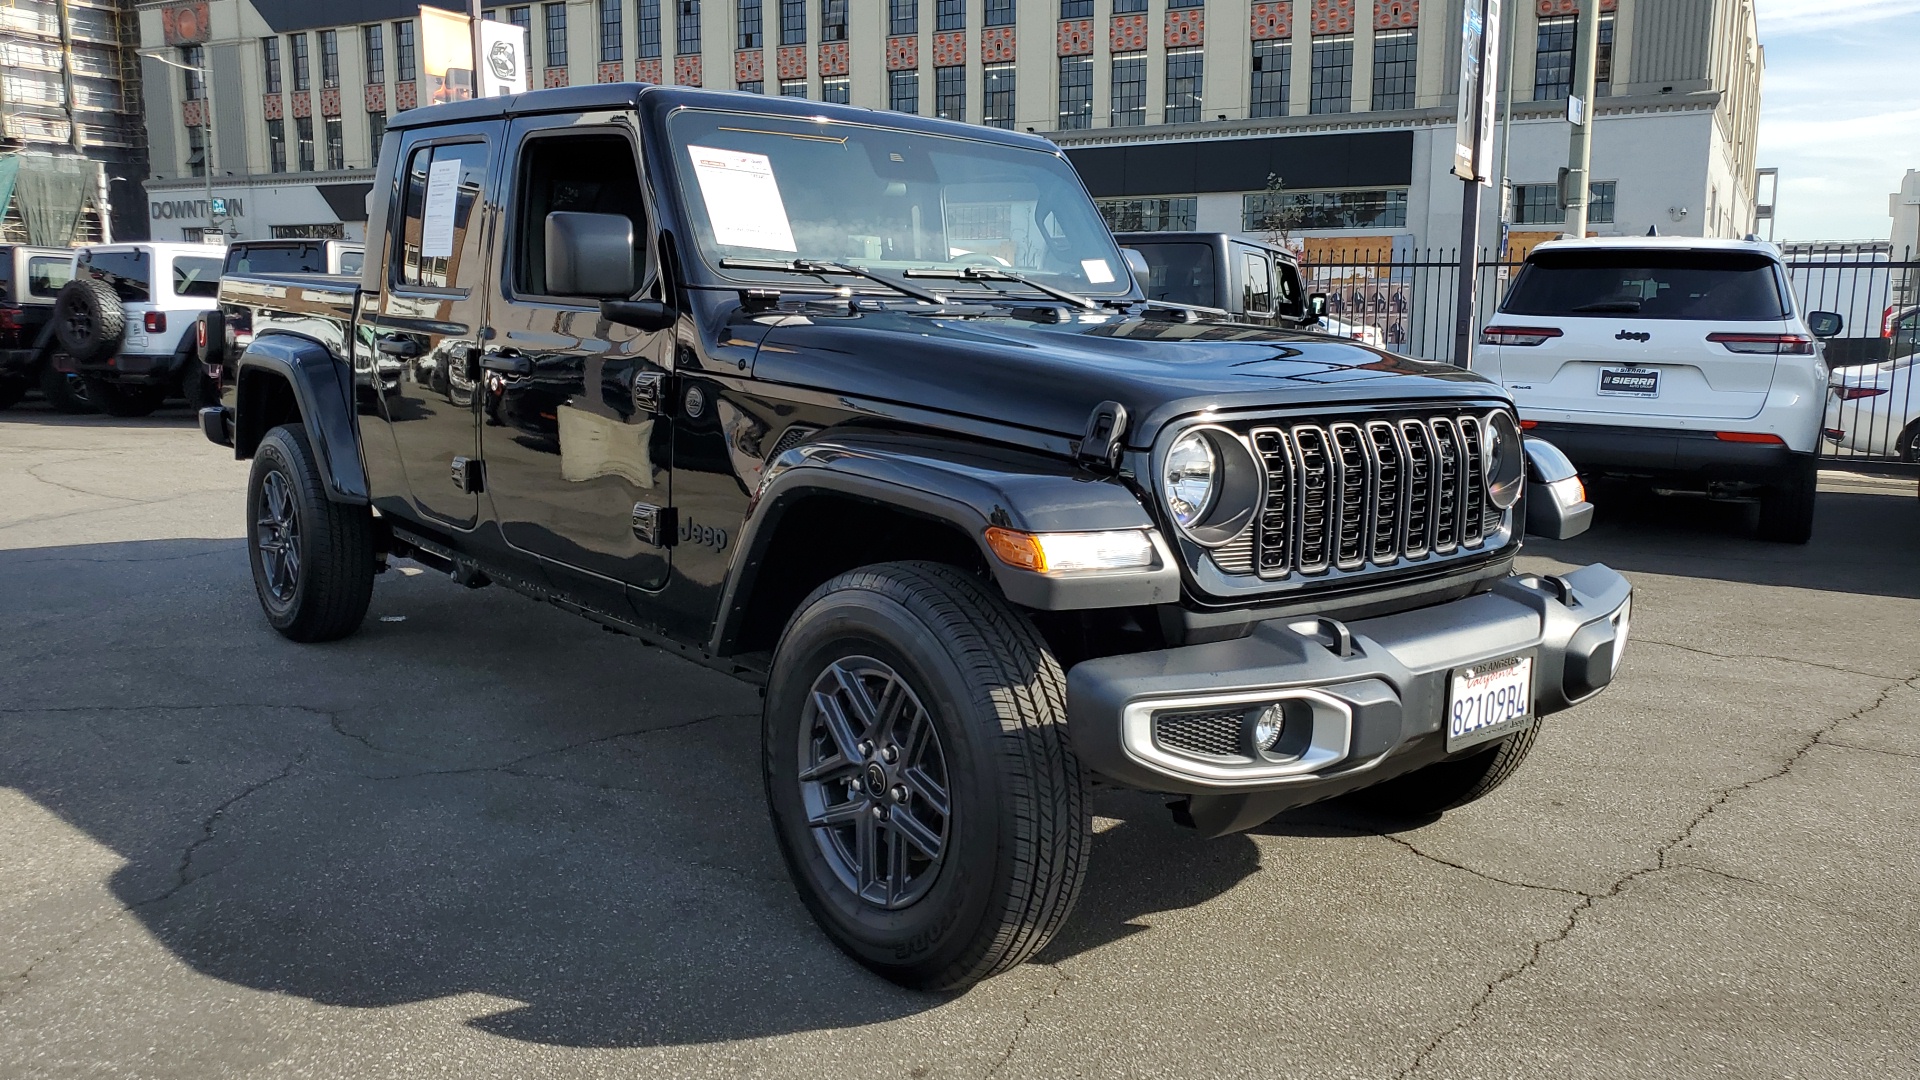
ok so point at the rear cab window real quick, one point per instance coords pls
(46, 273)
(196, 275)
(305, 257)
(1718, 286)
(128, 273)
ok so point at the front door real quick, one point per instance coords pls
(425, 323)
(574, 433)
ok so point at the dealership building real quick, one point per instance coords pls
(1178, 113)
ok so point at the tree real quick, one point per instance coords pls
(1280, 213)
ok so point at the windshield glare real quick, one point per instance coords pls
(760, 187)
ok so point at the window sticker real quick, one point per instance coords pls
(743, 199)
(1097, 270)
(436, 227)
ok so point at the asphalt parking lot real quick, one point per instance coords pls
(485, 839)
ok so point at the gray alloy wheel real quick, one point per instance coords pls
(277, 537)
(873, 780)
(312, 558)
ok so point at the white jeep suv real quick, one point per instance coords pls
(1679, 361)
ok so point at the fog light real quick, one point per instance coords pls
(1267, 727)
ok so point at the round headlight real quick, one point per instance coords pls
(1503, 459)
(1191, 478)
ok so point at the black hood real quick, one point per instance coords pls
(1048, 377)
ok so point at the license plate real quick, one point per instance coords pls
(1629, 382)
(1486, 701)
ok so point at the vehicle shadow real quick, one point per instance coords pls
(489, 801)
(35, 411)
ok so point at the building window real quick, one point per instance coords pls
(686, 28)
(303, 141)
(1129, 89)
(1603, 60)
(998, 106)
(833, 20)
(752, 86)
(1332, 74)
(838, 90)
(522, 17)
(1076, 9)
(336, 143)
(1150, 215)
(297, 52)
(270, 64)
(903, 17)
(1272, 71)
(195, 57)
(793, 26)
(403, 66)
(793, 88)
(1186, 75)
(903, 91)
(611, 32)
(553, 19)
(999, 13)
(1539, 204)
(375, 48)
(1129, 7)
(1554, 49)
(1393, 69)
(1186, 3)
(649, 29)
(1328, 209)
(751, 34)
(196, 151)
(1600, 202)
(950, 93)
(276, 146)
(376, 130)
(1076, 92)
(950, 14)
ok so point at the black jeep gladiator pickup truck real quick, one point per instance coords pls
(870, 409)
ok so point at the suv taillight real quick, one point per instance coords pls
(1517, 335)
(156, 322)
(10, 318)
(1766, 344)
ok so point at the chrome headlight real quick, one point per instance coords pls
(1502, 459)
(1211, 484)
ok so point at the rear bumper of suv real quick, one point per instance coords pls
(1370, 695)
(1664, 453)
(20, 362)
(137, 369)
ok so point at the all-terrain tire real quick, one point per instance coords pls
(88, 319)
(1017, 832)
(1786, 508)
(65, 391)
(325, 596)
(196, 386)
(1446, 785)
(120, 399)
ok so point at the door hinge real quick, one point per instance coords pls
(654, 525)
(469, 475)
(649, 390)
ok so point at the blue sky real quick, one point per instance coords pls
(1840, 112)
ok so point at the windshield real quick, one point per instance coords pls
(1629, 284)
(761, 187)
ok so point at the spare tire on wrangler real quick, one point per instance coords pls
(89, 319)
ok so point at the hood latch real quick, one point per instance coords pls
(1106, 431)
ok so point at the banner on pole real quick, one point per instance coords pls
(446, 56)
(503, 55)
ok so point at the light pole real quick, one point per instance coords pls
(205, 71)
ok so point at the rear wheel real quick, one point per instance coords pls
(1786, 508)
(199, 390)
(65, 391)
(118, 399)
(1446, 785)
(11, 391)
(313, 559)
(930, 811)
(1909, 445)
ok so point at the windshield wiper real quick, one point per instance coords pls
(1610, 305)
(822, 269)
(986, 273)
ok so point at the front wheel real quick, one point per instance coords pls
(1786, 508)
(1447, 785)
(313, 559)
(923, 793)
(65, 391)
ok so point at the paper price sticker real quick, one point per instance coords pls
(743, 199)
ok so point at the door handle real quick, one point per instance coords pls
(506, 362)
(396, 345)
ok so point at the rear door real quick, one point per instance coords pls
(1640, 332)
(1255, 273)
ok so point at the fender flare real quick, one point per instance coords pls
(968, 488)
(322, 389)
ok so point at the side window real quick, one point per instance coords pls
(1259, 282)
(443, 186)
(195, 276)
(590, 174)
(46, 273)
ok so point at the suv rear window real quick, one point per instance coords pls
(1725, 286)
(46, 273)
(1180, 274)
(130, 273)
(194, 275)
(303, 258)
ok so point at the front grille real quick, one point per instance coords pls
(1215, 733)
(1350, 495)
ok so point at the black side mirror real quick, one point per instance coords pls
(1316, 305)
(1824, 324)
(648, 315)
(589, 254)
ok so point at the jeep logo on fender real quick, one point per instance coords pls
(704, 535)
(1632, 335)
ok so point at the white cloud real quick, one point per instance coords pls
(1813, 16)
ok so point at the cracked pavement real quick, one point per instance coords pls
(482, 838)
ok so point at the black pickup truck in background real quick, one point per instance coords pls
(870, 410)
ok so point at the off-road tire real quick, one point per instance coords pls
(88, 319)
(11, 391)
(65, 391)
(1447, 785)
(333, 583)
(1019, 832)
(196, 386)
(1786, 508)
(120, 399)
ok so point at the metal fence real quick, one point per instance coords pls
(1404, 299)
